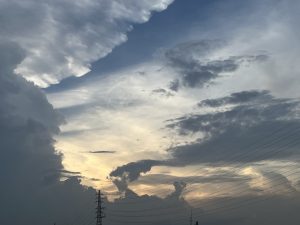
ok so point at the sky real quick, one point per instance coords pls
(170, 107)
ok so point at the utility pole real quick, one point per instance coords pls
(99, 210)
(191, 217)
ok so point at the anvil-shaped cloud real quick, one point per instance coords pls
(61, 38)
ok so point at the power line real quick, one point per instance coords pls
(255, 147)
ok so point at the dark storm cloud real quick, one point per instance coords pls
(125, 174)
(70, 172)
(258, 127)
(30, 167)
(27, 121)
(191, 62)
(133, 170)
(238, 98)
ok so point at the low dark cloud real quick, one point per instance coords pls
(174, 85)
(162, 92)
(70, 172)
(102, 152)
(191, 62)
(258, 127)
(238, 98)
(122, 175)
(30, 166)
(179, 187)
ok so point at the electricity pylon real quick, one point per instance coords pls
(99, 210)
(191, 217)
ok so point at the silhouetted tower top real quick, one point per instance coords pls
(191, 217)
(99, 210)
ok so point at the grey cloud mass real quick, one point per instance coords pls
(125, 174)
(30, 167)
(133, 170)
(191, 61)
(102, 152)
(238, 98)
(260, 127)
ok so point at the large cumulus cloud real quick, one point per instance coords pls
(62, 38)
(30, 167)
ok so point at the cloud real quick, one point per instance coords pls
(162, 92)
(155, 179)
(196, 67)
(58, 44)
(179, 187)
(258, 127)
(279, 182)
(148, 209)
(249, 210)
(249, 126)
(174, 85)
(27, 119)
(238, 98)
(134, 170)
(122, 175)
(102, 152)
(30, 166)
